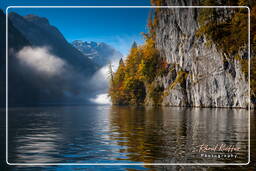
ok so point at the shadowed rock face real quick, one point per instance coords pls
(36, 51)
(100, 53)
(27, 37)
(2, 58)
(210, 81)
(18, 86)
(40, 33)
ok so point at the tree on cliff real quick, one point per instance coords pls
(231, 35)
(133, 75)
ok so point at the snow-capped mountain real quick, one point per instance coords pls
(99, 52)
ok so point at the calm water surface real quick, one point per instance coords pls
(112, 134)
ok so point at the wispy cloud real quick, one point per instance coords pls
(40, 60)
(52, 74)
(101, 99)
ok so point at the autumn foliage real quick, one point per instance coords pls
(134, 77)
(135, 74)
(230, 34)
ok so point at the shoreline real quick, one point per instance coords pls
(220, 107)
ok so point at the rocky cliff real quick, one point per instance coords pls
(194, 57)
(198, 74)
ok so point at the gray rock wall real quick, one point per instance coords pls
(209, 81)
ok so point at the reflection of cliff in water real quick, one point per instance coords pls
(170, 135)
(122, 134)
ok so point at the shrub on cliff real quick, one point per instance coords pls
(230, 34)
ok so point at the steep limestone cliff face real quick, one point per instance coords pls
(199, 74)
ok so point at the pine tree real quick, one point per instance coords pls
(134, 45)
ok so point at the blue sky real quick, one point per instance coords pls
(118, 27)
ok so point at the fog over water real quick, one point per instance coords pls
(56, 71)
(100, 81)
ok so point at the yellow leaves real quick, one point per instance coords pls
(141, 66)
(156, 92)
(242, 2)
(180, 78)
(232, 34)
(229, 34)
(253, 28)
(156, 2)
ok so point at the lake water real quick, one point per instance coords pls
(114, 134)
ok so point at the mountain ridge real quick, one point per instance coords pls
(100, 53)
(43, 34)
(33, 41)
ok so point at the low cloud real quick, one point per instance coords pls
(101, 99)
(59, 81)
(100, 80)
(51, 76)
(41, 60)
(99, 83)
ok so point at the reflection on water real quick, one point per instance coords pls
(114, 134)
(168, 135)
